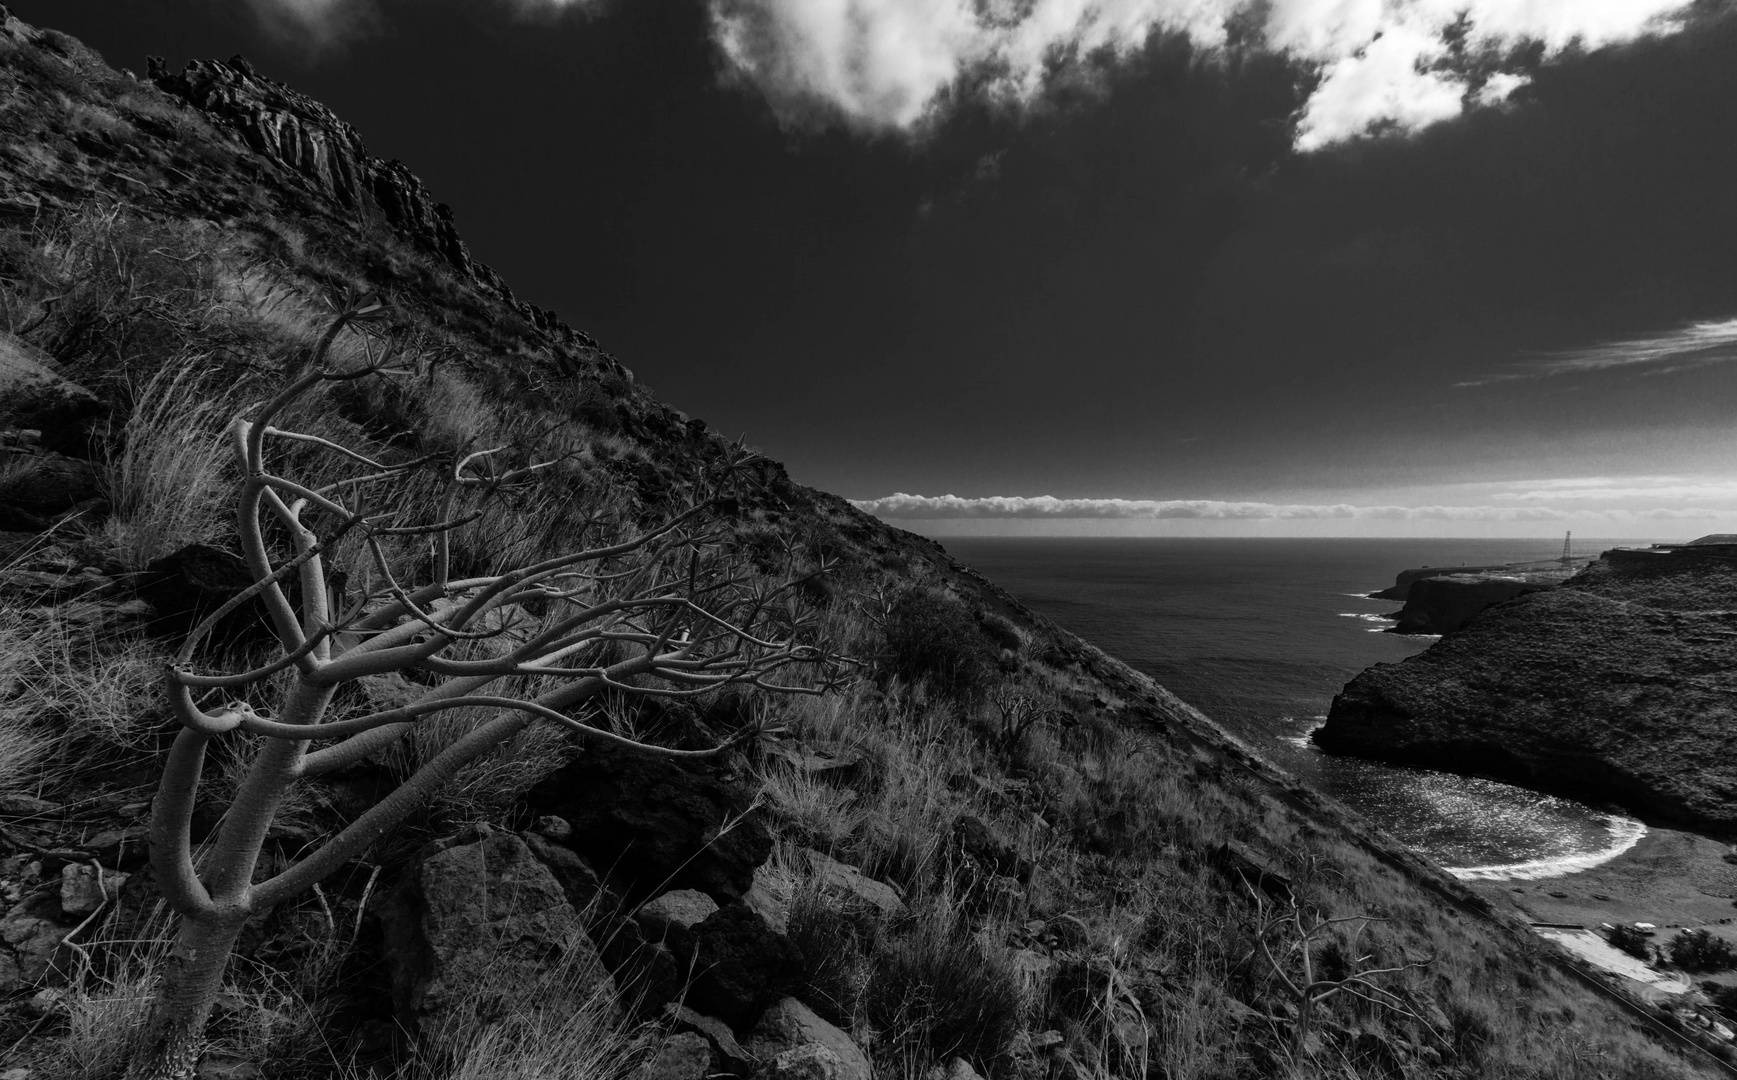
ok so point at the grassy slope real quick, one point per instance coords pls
(180, 301)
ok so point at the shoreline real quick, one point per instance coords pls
(1670, 878)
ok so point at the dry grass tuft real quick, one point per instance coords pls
(170, 484)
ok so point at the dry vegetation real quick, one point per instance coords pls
(1102, 934)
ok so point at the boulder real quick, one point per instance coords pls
(790, 1024)
(36, 395)
(833, 765)
(673, 915)
(36, 490)
(810, 1062)
(590, 896)
(645, 970)
(30, 942)
(656, 823)
(1246, 867)
(956, 1069)
(186, 585)
(84, 888)
(739, 965)
(845, 882)
(480, 929)
(683, 1056)
(647, 973)
(121, 849)
(771, 894)
(714, 1031)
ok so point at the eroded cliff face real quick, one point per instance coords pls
(1441, 605)
(310, 140)
(1620, 685)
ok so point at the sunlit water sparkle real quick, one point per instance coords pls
(1258, 635)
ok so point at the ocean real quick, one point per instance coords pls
(1259, 634)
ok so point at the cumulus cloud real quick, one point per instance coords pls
(1047, 507)
(894, 64)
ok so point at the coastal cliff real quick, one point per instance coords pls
(1618, 685)
(1441, 605)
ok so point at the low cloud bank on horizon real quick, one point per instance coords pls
(1048, 507)
(896, 65)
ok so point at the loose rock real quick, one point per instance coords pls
(84, 888)
(482, 929)
(715, 1032)
(657, 823)
(684, 1056)
(843, 880)
(673, 915)
(811, 1062)
(739, 965)
(790, 1024)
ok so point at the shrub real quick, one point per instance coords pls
(941, 987)
(934, 637)
(1700, 950)
(1723, 998)
(170, 484)
(836, 946)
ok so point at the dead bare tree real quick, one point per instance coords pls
(650, 613)
(1309, 988)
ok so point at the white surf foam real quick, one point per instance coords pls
(1624, 833)
(1301, 740)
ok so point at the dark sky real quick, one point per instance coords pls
(1136, 290)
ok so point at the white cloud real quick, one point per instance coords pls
(1045, 507)
(1380, 82)
(1694, 345)
(1697, 343)
(1621, 489)
(891, 64)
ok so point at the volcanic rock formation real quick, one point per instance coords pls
(1618, 685)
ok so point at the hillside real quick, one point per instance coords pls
(1615, 686)
(986, 848)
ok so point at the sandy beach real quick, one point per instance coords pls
(1671, 879)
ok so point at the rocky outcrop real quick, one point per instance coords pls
(657, 824)
(310, 142)
(1620, 685)
(739, 965)
(36, 396)
(481, 927)
(1401, 587)
(1442, 604)
(790, 1025)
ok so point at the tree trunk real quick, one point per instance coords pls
(175, 1035)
